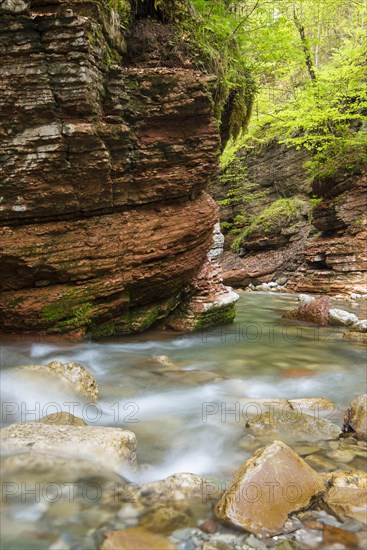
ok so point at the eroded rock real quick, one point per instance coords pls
(63, 418)
(273, 483)
(74, 374)
(112, 447)
(356, 336)
(121, 153)
(165, 519)
(291, 425)
(179, 489)
(355, 419)
(316, 312)
(346, 496)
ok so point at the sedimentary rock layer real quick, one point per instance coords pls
(320, 247)
(104, 160)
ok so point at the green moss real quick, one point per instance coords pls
(104, 330)
(68, 313)
(122, 8)
(271, 220)
(216, 316)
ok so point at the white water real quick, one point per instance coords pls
(266, 359)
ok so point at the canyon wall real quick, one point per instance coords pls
(281, 225)
(108, 143)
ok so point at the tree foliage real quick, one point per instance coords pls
(309, 59)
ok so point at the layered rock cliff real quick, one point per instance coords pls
(108, 142)
(282, 225)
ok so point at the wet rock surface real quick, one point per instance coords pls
(355, 419)
(347, 496)
(63, 418)
(275, 466)
(291, 425)
(74, 374)
(112, 447)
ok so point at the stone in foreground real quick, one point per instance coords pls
(135, 538)
(73, 374)
(347, 496)
(355, 419)
(114, 448)
(272, 484)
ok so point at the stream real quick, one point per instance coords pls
(183, 422)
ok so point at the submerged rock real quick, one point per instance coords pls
(111, 447)
(316, 312)
(355, 419)
(356, 335)
(165, 520)
(339, 317)
(74, 374)
(135, 538)
(273, 483)
(346, 496)
(335, 535)
(180, 489)
(63, 418)
(164, 361)
(314, 406)
(360, 326)
(291, 425)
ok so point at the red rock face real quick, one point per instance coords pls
(335, 261)
(320, 251)
(103, 171)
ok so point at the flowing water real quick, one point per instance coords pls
(184, 423)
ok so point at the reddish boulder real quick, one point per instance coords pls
(316, 312)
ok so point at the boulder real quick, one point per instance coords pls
(355, 419)
(360, 326)
(346, 496)
(316, 312)
(272, 484)
(341, 318)
(179, 490)
(73, 374)
(356, 336)
(314, 406)
(49, 468)
(164, 361)
(135, 538)
(165, 520)
(63, 418)
(113, 448)
(292, 425)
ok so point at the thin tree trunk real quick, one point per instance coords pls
(305, 46)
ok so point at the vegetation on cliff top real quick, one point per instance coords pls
(309, 58)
